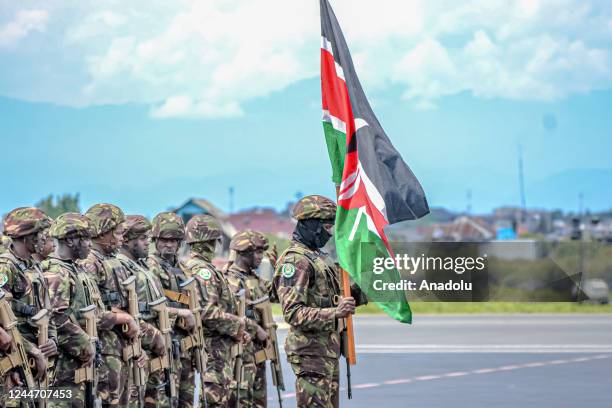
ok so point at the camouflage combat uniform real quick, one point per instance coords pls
(306, 281)
(170, 226)
(149, 289)
(254, 388)
(108, 273)
(72, 289)
(23, 278)
(220, 321)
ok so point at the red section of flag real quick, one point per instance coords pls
(335, 93)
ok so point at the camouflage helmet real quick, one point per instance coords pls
(249, 240)
(70, 225)
(202, 227)
(25, 221)
(104, 217)
(314, 206)
(136, 225)
(168, 225)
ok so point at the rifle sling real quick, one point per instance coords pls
(177, 297)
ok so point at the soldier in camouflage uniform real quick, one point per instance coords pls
(21, 276)
(167, 234)
(132, 256)
(72, 289)
(222, 327)
(249, 247)
(102, 265)
(307, 282)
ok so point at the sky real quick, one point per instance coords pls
(146, 104)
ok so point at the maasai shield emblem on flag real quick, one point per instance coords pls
(376, 187)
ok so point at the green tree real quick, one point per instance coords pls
(61, 204)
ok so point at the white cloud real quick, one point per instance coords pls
(24, 22)
(191, 58)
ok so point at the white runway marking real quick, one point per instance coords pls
(463, 373)
(482, 348)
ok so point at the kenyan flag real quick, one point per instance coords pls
(376, 187)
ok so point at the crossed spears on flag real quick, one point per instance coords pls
(373, 183)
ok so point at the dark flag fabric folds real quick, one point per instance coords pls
(376, 186)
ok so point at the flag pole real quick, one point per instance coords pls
(349, 334)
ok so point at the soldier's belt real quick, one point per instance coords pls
(23, 308)
(9, 362)
(177, 297)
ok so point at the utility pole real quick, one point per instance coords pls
(522, 184)
(231, 199)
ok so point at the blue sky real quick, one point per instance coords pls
(145, 106)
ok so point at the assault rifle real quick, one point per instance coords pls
(270, 352)
(239, 348)
(196, 340)
(133, 351)
(161, 308)
(17, 359)
(87, 374)
(41, 321)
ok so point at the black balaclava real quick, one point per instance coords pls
(311, 233)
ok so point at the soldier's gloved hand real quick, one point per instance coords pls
(88, 354)
(49, 349)
(186, 320)
(5, 341)
(13, 380)
(261, 334)
(40, 364)
(246, 338)
(345, 307)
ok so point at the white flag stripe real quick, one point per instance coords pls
(360, 123)
(336, 123)
(373, 192)
(340, 72)
(327, 45)
(348, 181)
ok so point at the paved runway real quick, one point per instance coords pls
(479, 361)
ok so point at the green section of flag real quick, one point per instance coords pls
(336, 147)
(357, 247)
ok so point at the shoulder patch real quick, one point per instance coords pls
(204, 273)
(288, 270)
(3, 278)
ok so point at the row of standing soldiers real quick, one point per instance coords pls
(102, 304)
